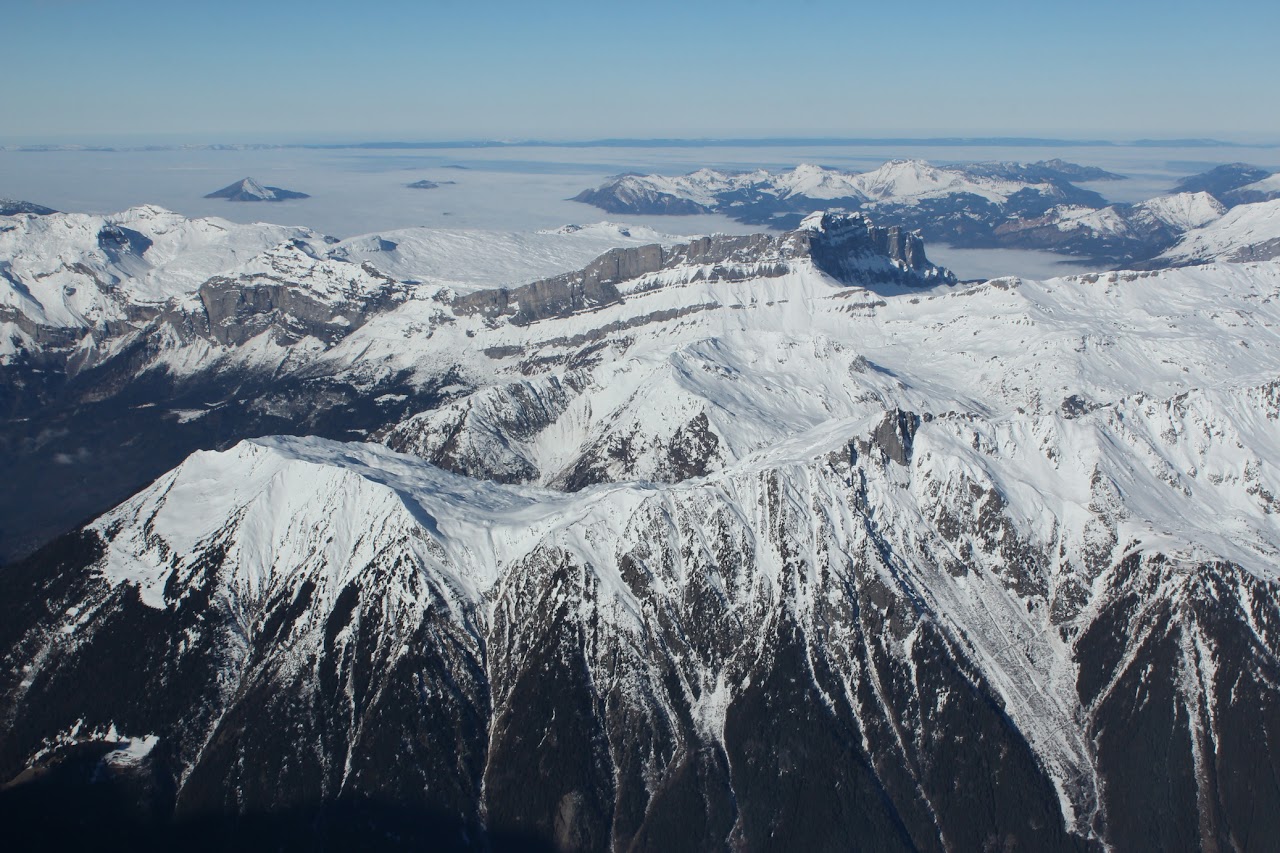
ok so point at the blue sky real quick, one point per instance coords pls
(275, 70)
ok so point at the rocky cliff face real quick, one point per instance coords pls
(676, 666)
(848, 247)
(295, 295)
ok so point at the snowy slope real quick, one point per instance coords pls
(1265, 189)
(1249, 232)
(467, 260)
(715, 523)
(1120, 231)
(1173, 213)
(975, 529)
(76, 270)
(904, 180)
(70, 280)
(1183, 211)
(995, 348)
(901, 181)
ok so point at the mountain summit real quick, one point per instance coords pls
(247, 189)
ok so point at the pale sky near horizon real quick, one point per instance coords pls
(289, 70)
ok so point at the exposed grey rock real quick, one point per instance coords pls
(846, 246)
(895, 435)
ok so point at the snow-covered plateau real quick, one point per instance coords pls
(604, 539)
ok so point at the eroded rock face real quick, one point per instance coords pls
(676, 665)
(893, 437)
(847, 247)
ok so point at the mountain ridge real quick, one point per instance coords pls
(236, 343)
(674, 529)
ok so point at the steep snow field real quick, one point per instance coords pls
(1245, 233)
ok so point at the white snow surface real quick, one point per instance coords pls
(897, 181)
(1246, 232)
(1269, 184)
(1184, 211)
(252, 188)
(466, 260)
(1113, 413)
(68, 271)
(1180, 212)
(1180, 364)
(55, 271)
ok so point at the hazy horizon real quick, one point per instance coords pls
(135, 141)
(361, 191)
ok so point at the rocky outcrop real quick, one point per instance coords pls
(848, 247)
(298, 293)
(893, 437)
(238, 311)
(565, 294)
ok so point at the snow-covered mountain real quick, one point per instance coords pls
(130, 341)
(80, 278)
(1249, 232)
(762, 196)
(247, 189)
(1266, 189)
(81, 273)
(1118, 231)
(778, 541)
(977, 205)
(1234, 183)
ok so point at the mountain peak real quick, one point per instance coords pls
(248, 189)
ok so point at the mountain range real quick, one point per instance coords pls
(599, 538)
(969, 205)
